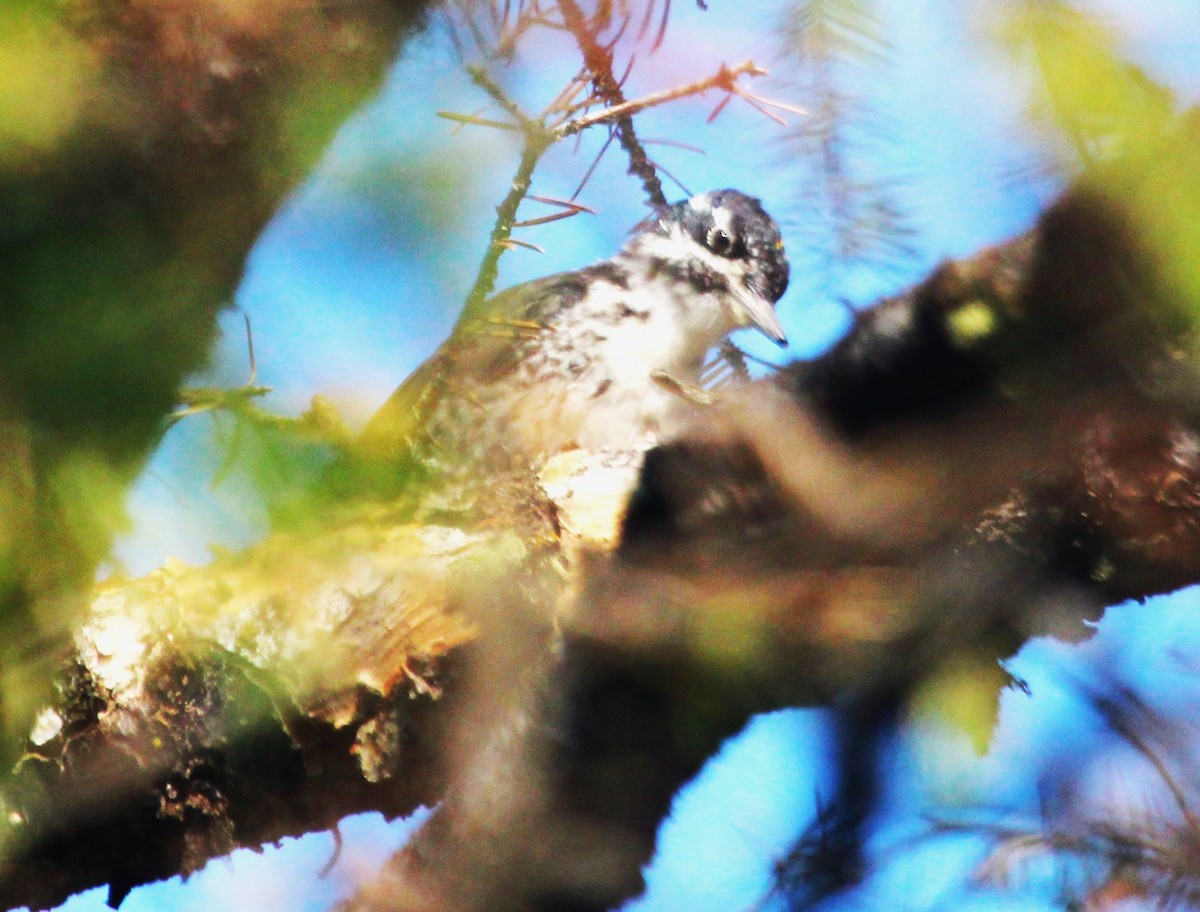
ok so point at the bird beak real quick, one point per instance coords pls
(760, 313)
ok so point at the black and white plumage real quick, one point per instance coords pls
(577, 359)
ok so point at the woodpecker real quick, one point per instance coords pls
(599, 358)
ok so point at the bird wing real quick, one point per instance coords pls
(483, 348)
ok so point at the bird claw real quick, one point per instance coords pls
(688, 391)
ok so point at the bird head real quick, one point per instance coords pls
(723, 244)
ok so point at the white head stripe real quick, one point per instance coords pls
(723, 219)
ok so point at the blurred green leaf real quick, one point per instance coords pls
(1123, 127)
(965, 693)
(45, 74)
(1102, 102)
(88, 497)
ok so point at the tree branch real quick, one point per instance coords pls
(599, 63)
(981, 460)
(164, 137)
(724, 79)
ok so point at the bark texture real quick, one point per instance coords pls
(144, 148)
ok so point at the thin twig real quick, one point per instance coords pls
(716, 112)
(760, 104)
(723, 79)
(539, 136)
(565, 204)
(1116, 714)
(513, 243)
(673, 179)
(662, 25)
(537, 140)
(782, 105)
(197, 400)
(250, 349)
(563, 102)
(480, 77)
(592, 167)
(674, 144)
(599, 61)
(569, 207)
(478, 121)
(536, 143)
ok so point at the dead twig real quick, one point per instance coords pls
(724, 79)
(562, 119)
(598, 59)
(539, 137)
(570, 208)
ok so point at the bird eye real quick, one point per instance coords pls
(719, 241)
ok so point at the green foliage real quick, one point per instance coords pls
(87, 498)
(965, 693)
(36, 112)
(1102, 102)
(143, 146)
(1122, 128)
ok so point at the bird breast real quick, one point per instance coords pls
(592, 375)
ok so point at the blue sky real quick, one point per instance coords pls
(361, 274)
